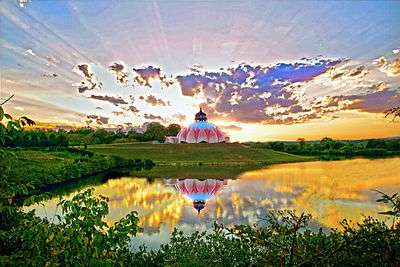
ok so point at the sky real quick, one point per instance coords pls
(261, 70)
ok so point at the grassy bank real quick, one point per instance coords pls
(37, 169)
(198, 154)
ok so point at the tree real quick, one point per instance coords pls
(173, 129)
(373, 143)
(327, 143)
(9, 127)
(302, 142)
(155, 131)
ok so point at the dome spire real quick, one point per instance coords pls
(199, 205)
(200, 116)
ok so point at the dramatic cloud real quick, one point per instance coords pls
(88, 83)
(376, 102)
(118, 70)
(84, 68)
(100, 120)
(281, 93)
(113, 100)
(153, 117)
(145, 75)
(390, 68)
(352, 72)
(152, 100)
(133, 109)
(254, 93)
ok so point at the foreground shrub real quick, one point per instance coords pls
(81, 238)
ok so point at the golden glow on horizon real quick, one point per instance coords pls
(350, 125)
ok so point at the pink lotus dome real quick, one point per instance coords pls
(201, 131)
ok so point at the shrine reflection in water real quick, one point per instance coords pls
(330, 191)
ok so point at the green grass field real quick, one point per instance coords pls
(41, 168)
(198, 154)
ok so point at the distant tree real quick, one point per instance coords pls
(173, 129)
(278, 146)
(374, 143)
(155, 131)
(327, 143)
(302, 142)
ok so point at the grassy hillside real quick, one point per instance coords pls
(40, 168)
(198, 154)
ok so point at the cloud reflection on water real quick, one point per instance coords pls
(330, 191)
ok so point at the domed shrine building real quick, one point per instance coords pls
(200, 131)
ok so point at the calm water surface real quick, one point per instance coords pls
(329, 190)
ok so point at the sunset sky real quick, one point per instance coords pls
(261, 70)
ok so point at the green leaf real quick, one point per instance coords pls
(1, 113)
(27, 120)
(7, 116)
(389, 212)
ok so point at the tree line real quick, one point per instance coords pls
(329, 146)
(15, 137)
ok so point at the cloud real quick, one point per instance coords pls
(231, 128)
(118, 70)
(179, 116)
(254, 93)
(118, 113)
(145, 75)
(88, 83)
(23, 3)
(390, 68)
(113, 100)
(50, 75)
(29, 52)
(133, 109)
(349, 72)
(357, 71)
(100, 120)
(52, 60)
(153, 117)
(279, 93)
(152, 100)
(84, 68)
(376, 102)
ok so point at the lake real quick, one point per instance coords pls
(329, 190)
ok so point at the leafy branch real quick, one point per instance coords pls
(394, 202)
(395, 112)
